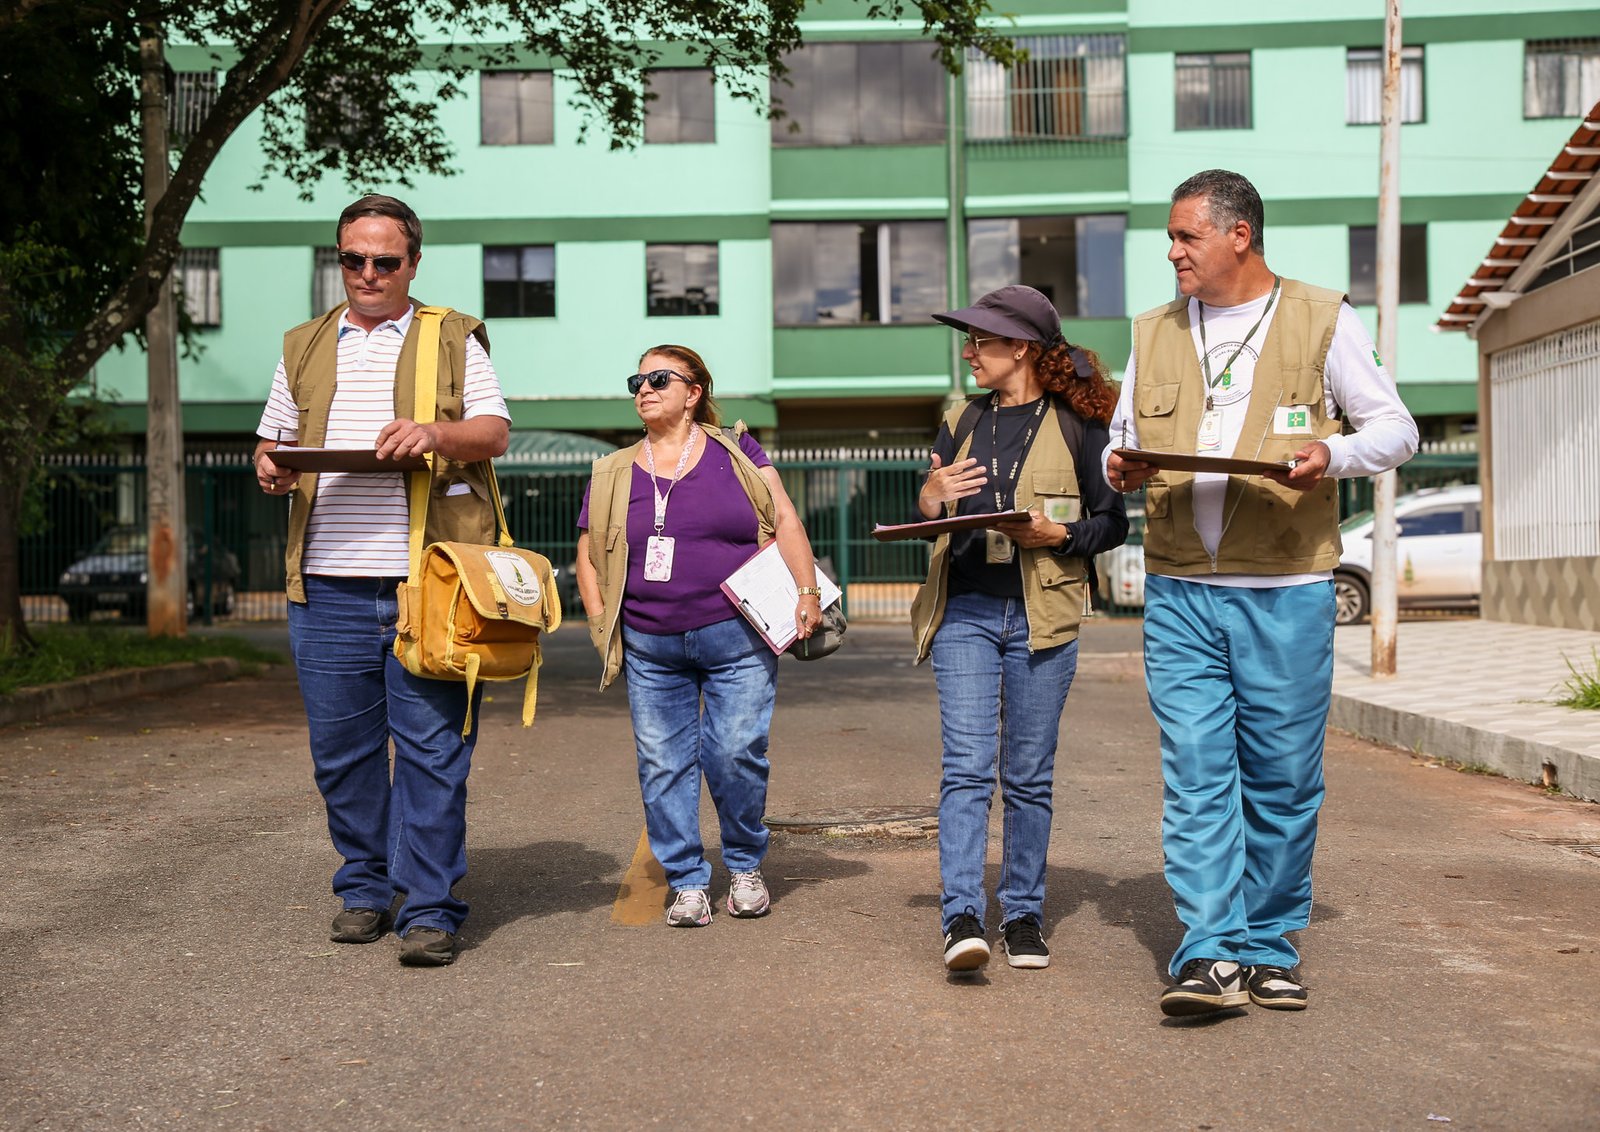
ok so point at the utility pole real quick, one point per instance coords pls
(955, 230)
(1385, 595)
(168, 561)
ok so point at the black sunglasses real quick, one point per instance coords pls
(382, 264)
(659, 379)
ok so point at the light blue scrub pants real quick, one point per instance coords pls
(1240, 681)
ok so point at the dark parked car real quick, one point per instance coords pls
(113, 575)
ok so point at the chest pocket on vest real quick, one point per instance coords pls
(1157, 426)
(1057, 495)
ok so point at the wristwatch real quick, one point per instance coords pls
(814, 591)
(1061, 547)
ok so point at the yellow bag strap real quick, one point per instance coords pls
(425, 408)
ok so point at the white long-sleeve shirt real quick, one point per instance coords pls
(1355, 387)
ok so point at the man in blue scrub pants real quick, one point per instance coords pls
(1239, 609)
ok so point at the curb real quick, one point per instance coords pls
(1527, 760)
(30, 705)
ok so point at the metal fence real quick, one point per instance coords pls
(237, 534)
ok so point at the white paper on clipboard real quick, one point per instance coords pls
(766, 593)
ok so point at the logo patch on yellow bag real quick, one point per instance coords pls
(515, 577)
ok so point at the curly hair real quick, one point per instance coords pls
(1091, 397)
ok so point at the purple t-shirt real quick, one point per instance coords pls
(710, 516)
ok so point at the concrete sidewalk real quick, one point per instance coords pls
(1476, 692)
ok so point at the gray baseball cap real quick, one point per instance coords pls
(1017, 311)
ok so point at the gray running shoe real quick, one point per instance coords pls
(748, 896)
(690, 909)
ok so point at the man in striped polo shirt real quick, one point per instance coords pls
(347, 380)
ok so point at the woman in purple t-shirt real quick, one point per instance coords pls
(701, 680)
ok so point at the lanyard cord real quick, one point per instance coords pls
(677, 474)
(994, 450)
(1205, 351)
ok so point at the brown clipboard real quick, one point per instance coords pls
(342, 460)
(900, 532)
(1188, 462)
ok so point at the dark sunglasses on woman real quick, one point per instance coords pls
(382, 264)
(659, 379)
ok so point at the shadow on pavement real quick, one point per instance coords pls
(505, 884)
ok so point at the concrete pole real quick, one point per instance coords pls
(1385, 596)
(167, 582)
(955, 227)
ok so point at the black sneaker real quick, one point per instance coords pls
(965, 949)
(1024, 944)
(1276, 988)
(1205, 986)
(427, 947)
(360, 925)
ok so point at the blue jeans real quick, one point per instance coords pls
(407, 833)
(702, 704)
(1240, 681)
(997, 702)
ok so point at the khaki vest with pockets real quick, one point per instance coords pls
(1267, 529)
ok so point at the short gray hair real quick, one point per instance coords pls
(1229, 199)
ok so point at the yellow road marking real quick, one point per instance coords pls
(642, 896)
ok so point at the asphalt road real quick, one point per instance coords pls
(164, 907)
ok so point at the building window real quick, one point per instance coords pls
(1560, 77)
(680, 279)
(327, 281)
(1213, 91)
(1413, 264)
(860, 94)
(1363, 102)
(198, 278)
(847, 274)
(516, 108)
(1072, 87)
(1075, 260)
(346, 109)
(194, 93)
(519, 282)
(684, 106)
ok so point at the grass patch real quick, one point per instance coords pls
(65, 652)
(1583, 687)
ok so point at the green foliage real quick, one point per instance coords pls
(64, 653)
(1583, 687)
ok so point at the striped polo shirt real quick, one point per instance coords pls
(359, 527)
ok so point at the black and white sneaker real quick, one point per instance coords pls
(965, 949)
(1276, 988)
(1205, 986)
(1024, 943)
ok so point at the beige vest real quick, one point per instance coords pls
(1267, 529)
(310, 361)
(1054, 587)
(610, 485)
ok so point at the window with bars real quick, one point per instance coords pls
(327, 281)
(1560, 77)
(1071, 87)
(1364, 85)
(1212, 92)
(516, 108)
(684, 107)
(848, 274)
(519, 281)
(345, 110)
(1364, 264)
(680, 279)
(860, 94)
(198, 278)
(194, 93)
(1076, 261)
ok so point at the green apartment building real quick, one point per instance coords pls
(803, 257)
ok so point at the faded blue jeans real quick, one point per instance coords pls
(702, 704)
(998, 704)
(407, 833)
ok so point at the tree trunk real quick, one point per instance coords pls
(14, 635)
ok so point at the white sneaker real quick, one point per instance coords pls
(748, 896)
(690, 909)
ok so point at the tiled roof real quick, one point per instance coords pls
(1574, 166)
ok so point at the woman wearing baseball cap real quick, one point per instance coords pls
(1000, 610)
